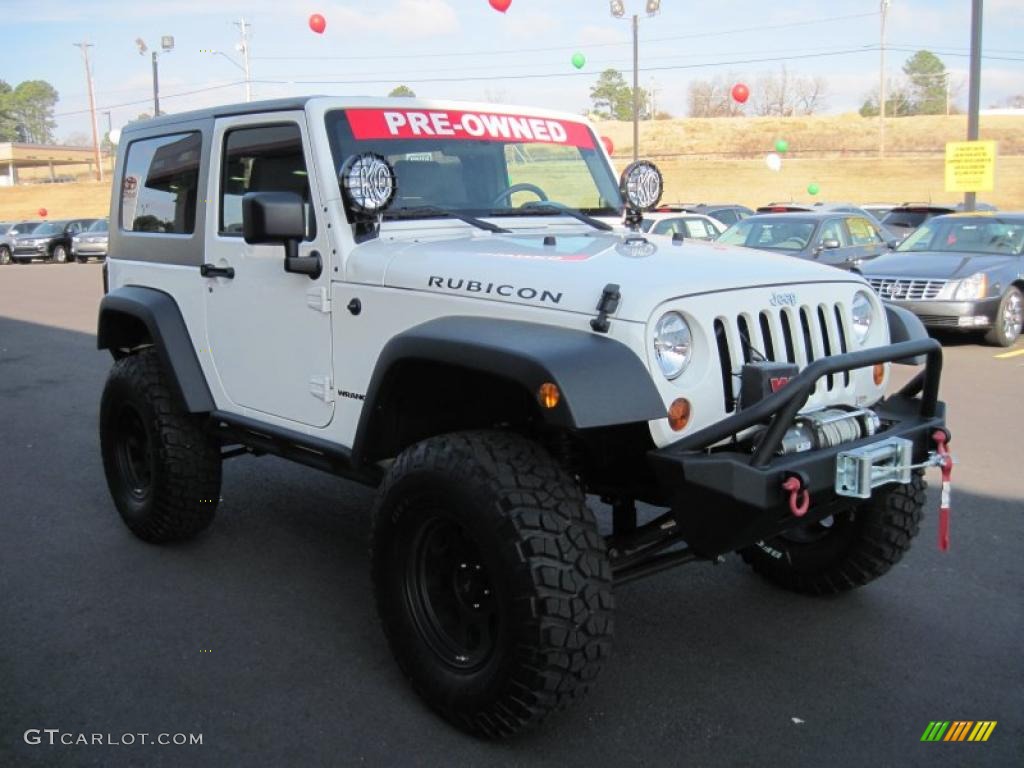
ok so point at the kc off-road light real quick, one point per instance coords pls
(862, 313)
(673, 344)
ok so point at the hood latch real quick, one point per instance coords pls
(608, 303)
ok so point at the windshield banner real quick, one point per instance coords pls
(483, 126)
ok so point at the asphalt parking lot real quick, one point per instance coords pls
(261, 634)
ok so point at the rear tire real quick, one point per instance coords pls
(1009, 319)
(163, 468)
(856, 549)
(491, 580)
(59, 254)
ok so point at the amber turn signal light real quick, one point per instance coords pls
(679, 414)
(548, 395)
(878, 373)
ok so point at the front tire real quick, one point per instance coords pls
(491, 580)
(1009, 319)
(858, 547)
(59, 255)
(5, 255)
(163, 469)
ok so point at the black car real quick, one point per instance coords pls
(831, 208)
(904, 219)
(962, 271)
(50, 240)
(837, 239)
(727, 213)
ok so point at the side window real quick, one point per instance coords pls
(861, 231)
(161, 177)
(726, 216)
(267, 158)
(833, 230)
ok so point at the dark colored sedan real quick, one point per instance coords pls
(963, 271)
(51, 240)
(904, 219)
(837, 239)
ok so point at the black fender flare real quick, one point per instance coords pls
(161, 316)
(602, 381)
(904, 325)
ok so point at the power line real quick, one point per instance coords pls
(510, 51)
(147, 100)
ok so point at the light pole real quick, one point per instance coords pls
(167, 44)
(974, 89)
(881, 82)
(618, 11)
(85, 46)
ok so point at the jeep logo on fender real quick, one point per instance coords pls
(783, 300)
(499, 289)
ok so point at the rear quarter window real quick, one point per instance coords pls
(160, 184)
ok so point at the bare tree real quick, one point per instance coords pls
(712, 98)
(786, 95)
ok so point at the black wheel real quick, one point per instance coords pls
(491, 580)
(59, 254)
(163, 469)
(846, 550)
(5, 255)
(1009, 318)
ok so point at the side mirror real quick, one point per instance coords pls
(829, 244)
(279, 217)
(891, 244)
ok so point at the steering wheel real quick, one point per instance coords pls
(523, 187)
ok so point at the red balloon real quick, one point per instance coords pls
(609, 147)
(317, 23)
(741, 93)
(500, 5)
(42, 213)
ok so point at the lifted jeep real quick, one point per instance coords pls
(453, 303)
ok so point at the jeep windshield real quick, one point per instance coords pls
(480, 163)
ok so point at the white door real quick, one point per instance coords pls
(268, 330)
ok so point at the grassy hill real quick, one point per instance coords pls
(720, 160)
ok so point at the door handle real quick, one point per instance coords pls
(211, 270)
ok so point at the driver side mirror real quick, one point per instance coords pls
(829, 244)
(279, 217)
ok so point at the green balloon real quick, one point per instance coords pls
(813, 189)
(782, 146)
(578, 60)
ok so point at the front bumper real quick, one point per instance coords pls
(89, 249)
(725, 499)
(955, 315)
(34, 251)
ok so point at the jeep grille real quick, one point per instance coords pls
(792, 334)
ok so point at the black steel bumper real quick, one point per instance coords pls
(723, 500)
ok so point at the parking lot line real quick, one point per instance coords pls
(1014, 353)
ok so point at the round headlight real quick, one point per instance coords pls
(672, 344)
(862, 314)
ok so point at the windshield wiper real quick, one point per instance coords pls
(433, 210)
(551, 205)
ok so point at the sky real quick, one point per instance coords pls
(463, 49)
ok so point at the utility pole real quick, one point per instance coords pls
(881, 83)
(84, 46)
(243, 48)
(974, 94)
(156, 88)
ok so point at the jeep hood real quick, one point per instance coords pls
(570, 270)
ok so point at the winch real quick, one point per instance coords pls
(828, 428)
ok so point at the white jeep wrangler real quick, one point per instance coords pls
(428, 297)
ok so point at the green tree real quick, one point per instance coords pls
(30, 106)
(403, 90)
(613, 99)
(927, 82)
(8, 120)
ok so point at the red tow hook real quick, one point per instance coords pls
(946, 464)
(799, 497)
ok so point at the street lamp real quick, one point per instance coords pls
(618, 11)
(167, 45)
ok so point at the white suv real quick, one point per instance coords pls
(422, 296)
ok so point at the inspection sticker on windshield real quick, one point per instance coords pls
(455, 124)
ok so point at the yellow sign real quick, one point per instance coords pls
(970, 166)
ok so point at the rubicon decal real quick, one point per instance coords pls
(485, 126)
(958, 730)
(494, 289)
